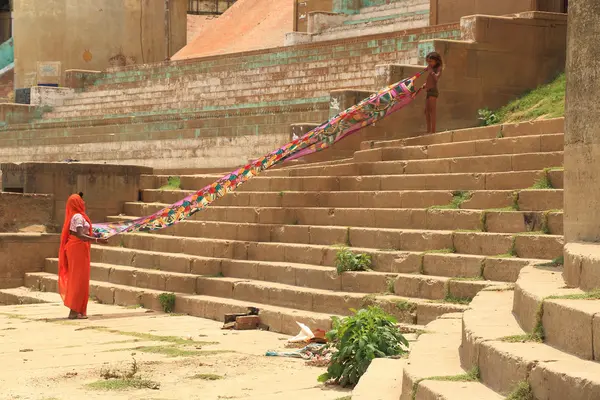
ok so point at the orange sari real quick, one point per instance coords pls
(74, 261)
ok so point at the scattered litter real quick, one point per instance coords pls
(316, 354)
(244, 321)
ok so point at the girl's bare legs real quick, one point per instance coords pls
(432, 107)
(428, 115)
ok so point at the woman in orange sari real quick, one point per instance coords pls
(74, 257)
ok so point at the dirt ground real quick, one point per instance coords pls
(45, 357)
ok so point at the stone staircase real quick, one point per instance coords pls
(133, 115)
(399, 15)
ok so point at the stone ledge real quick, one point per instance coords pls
(568, 323)
(551, 373)
(582, 265)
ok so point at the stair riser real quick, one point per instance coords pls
(518, 145)
(504, 222)
(498, 163)
(528, 200)
(489, 181)
(282, 321)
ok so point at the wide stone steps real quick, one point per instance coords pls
(570, 318)
(433, 369)
(542, 127)
(523, 200)
(454, 165)
(494, 342)
(513, 180)
(467, 148)
(451, 265)
(209, 255)
(407, 310)
(279, 319)
(390, 218)
(325, 241)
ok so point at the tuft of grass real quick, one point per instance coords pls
(207, 377)
(390, 283)
(346, 260)
(557, 262)
(472, 375)
(174, 351)
(404, 305)
(522, 391)
(173, 183)
(591, 295)
(440, 251)
(167, 302)
(547, 101)
(458, 197)
(528, 337)
(123, 384)
(344, 398)
(150, 337)
(457, 300)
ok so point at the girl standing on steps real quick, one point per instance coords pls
(74, 257)
(435, 67)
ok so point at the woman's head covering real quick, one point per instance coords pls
(75, 205)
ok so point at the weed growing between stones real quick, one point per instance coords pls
(115, 379)
(544, 182)
(207, 377)
(521, 392)
(473, 375)
(167, 302)
(557, 262)
(458, 197)
(173, 183)
(591, 295)
(358, 339)
(390, 283)
(346, 260)
(528, 337)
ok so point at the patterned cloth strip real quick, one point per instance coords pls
(365, 113)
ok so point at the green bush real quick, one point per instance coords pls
(167, 302)
(487, 117)
(346, 260)
(356, 340)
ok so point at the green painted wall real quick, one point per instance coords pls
(7, 53)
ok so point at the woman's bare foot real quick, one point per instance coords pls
(81, 316)
(76, 315)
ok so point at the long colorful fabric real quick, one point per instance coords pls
(365, 113)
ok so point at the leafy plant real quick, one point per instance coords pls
(346, 260)
(358, 339)
(487, 117)
(173, 183)
(167, 302)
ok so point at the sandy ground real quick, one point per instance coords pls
(45, 357)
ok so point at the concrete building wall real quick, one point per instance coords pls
(94, 34)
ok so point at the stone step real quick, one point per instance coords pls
(492, 342)
(282, 278)
(456, 165)
(279, 319)
(541, 127)
(408, 310)
(362, 25)
(392, 8)
(451, 265)
(392, 249)
(493, 146)
(390, 218)
(433, 369)
(454, 182)
(570, 318)
(24, 295)
(523, 200)
(382, 381)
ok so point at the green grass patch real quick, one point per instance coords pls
(471, 376)
(404, 305)
(546, 101)
(173, 183)
(521, 338)
(175, 351)
(591, 295)
(123, 384)
(521, 392)
(167, 302)
(468, 278)
(344, 398)
(457, 300)
(346, 260)
(458, 197)
(557, 262)
(149, 337)
(440, 251)
(543, 183)
(207, 377)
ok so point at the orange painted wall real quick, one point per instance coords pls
(247, 25)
